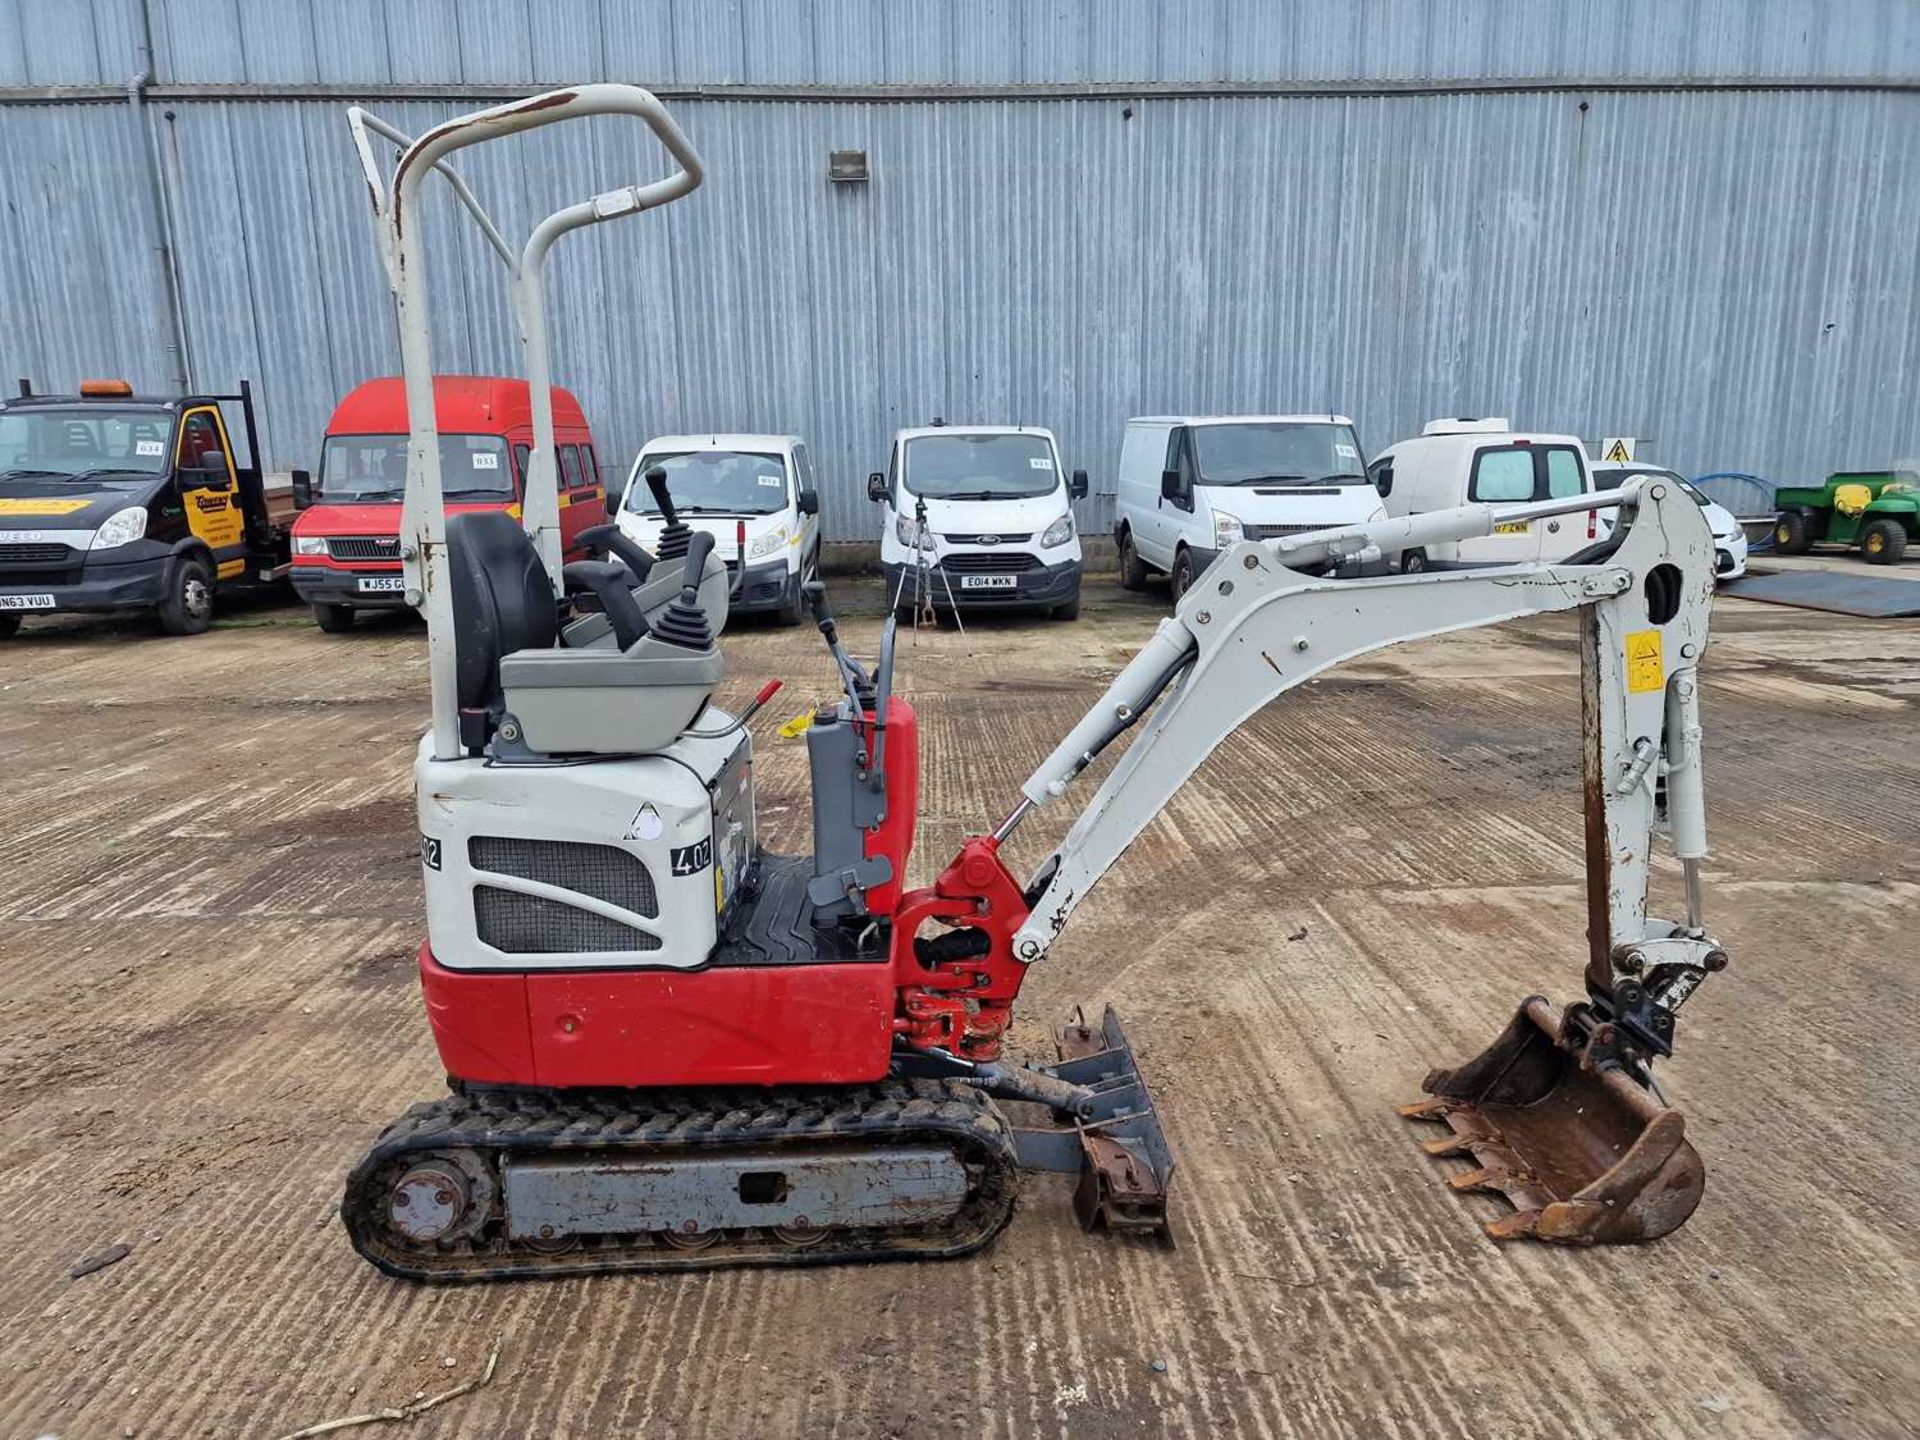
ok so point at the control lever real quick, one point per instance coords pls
(699, 547)
(612, 585)
(657, 482)
(611, 538)
(739, 586)
(852, 677)
(883, 696)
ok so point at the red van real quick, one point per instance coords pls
(346, 545)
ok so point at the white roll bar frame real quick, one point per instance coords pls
(423, 527)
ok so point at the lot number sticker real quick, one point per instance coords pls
(485, 460)
(149, 447)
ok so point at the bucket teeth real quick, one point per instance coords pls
(1486, 1178)
(1448, 1145)
(1434, 1107)
(1518, 1226)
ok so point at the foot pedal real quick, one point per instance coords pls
(1586, 1157)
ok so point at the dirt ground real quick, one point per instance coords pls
(207, 1010)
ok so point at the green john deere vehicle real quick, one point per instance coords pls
(1875, 511)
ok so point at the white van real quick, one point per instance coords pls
(1191, 485)
(1729, 540)
(998, 530)
(1467, 461)
(716, 483)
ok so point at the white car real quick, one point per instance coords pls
(1191, 485)
(720, 482)
(1729, 540)
(999, 529)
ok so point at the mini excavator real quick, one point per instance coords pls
(669, 1048)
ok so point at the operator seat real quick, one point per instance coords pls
(502, 603)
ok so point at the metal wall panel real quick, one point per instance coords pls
(866, 42)
(1731, 277)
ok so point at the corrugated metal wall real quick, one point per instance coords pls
(1731, 275)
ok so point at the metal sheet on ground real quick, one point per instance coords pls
(1868, 596)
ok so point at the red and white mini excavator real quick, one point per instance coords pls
(669, 1048)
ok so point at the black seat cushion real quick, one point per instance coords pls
(502, 601)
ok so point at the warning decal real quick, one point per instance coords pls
(1617, 449)
(1646, 670)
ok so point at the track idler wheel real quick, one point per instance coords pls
(1586, 1155)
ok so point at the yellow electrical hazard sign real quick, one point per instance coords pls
(1617, 449)
(1646, 670)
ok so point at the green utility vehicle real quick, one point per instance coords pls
(1876, 510)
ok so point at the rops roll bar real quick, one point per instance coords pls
(395, 202)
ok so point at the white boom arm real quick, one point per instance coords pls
(1251, 628)
(398, 231)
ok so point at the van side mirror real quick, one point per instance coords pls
(210, 469)
(876, 487)
(1077, 486)
(614, 497)
(302, 490)
(809, 502)
(1169, 484)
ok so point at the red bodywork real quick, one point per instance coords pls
(463, 405)
(761, 1025)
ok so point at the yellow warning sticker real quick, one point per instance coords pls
(1646, 670)
(42, 507)
(798, 725)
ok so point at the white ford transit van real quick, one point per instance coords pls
(998, 529)
(1191, 485)
(1469, 462)
(716, 482)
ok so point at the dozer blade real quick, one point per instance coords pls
(1118, 1150)
(1585, 1155)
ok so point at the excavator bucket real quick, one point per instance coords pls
(1586, 1156)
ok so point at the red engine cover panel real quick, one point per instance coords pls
(893, 836)
(765, 1025)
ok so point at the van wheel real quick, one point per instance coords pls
(1181, 578)
(334, 619)
(9, 625)
(187, 606)
(1133, 570)
(1883, 542)
(1413, 562)
(1068, 611)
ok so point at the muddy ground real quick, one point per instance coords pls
(207, 1009)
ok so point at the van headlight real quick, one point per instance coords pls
(1058, 533)
(1227, 530)
(309, 544)
(771, 543)
(123, 527)
(907, 532)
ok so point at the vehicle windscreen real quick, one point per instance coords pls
(363, 469)
(1277, 452)
(83, 441)
(712, 482)
(979, 467)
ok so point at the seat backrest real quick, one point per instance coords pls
(502, 601)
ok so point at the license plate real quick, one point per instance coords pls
(26, 602)
(382, 584)
(1512, 527)
(989, 582)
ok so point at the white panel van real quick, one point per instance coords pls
(998, 529)
(1470, 461)
(1191, 485)
(719, 482)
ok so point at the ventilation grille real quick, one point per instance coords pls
(602, 871)
(987, 562)
(1274, 532)
(37, 554)
(534, 925)
(988, 539)
(364, 547)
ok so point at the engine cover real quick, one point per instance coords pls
(605, 865)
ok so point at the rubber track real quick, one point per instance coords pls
(649, 1122)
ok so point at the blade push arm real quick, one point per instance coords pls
(1251, 629)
